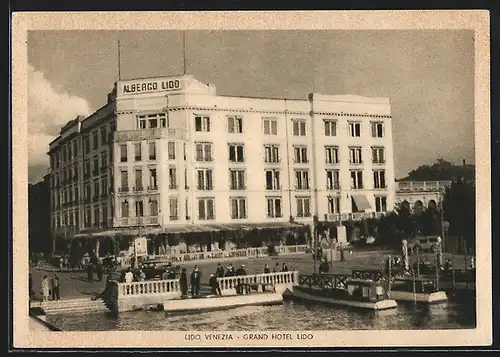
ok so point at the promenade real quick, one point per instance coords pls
(75, 284)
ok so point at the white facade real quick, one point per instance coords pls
(323, 133)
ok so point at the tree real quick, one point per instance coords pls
(441, 170)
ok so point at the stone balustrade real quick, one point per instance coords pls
(148, 287)
(228, 284)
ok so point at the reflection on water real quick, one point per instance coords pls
(289, 316)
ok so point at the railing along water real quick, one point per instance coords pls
(231, 282)
(148, 287)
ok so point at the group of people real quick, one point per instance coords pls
(50, 288)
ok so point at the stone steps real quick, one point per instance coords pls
(85, 305)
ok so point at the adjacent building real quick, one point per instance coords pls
(39, 212)
(169, 155)
(418, 196)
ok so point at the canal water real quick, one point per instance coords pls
(457, 313)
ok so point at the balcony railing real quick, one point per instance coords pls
(355, 216)
(153, 188)
(145, 134)
(421, 186)
(135, 221)
(123, 189)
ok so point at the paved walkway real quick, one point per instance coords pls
(75, 284)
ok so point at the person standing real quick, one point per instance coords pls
(220, 271)
(55, 287)
(195, 281)
(99, 271)
(214, 284)
(90, 273)
(229, 271)
(266, 269)
(276, 268)
(165, 275)
(284, 267)
(183, 282)
(45, 288)
(129, 276)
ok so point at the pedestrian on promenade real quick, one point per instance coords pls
(183, 282)
(165, 274)
(61, 263)
(240, 286)
(90, 273)
(214, 284)
(195, 281)
(142, 276)
(276, 268)
(55, 287)
(171, 274)
(45, 288)
(284, 267)
(229, 271)
(99, 271)
(220, 270)
(129, 276)
(266, 269)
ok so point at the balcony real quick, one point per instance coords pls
(355, 216)
(148, 134)
(135, 221)
(153, 188)
(138, 189)
(123, 189)
(422, 186)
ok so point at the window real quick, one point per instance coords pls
(95, 143)
(272, 154)
(238, 208)
(332, 180)
(87, 218)
(203, 151)
(354, 129)
(70, 154)
(271, 126)
(139, 208)
(356, 179)
(331, 154)
(380, 204)
(299, 127)
(302, 179)
(75, 172)
(333, 205)
(202, 123)
(171, 150)
(96, 216)
(104, 135)
(377, 129)
(104, 215)
(274, 207)
(86, 144)
(300, 154)
(123, 153)
(153, 182)
(96, 166)
(379, 179)
(237, 179)
(206, 209)
(234, 124)
(186, 179)
(273, 180)
(104, 187)
(152, 121)
(104, 160)
(124, 181)
(236, 153)
(152, 150)
(87, 193)
(96, 189)
(378, 155)
(172, 178)
(330, 127)
(153, 207)
(75, 148)
(303, 207)
(137, 152)
(355, 156)
(138, 180)
(204, 179)
(174, 213)
(184, 151)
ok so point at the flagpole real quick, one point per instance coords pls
(119, 69)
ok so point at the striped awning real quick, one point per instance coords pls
(361, 202)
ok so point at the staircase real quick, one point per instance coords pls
(74, 306)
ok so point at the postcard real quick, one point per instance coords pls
(251, 179)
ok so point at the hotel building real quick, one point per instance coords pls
(169, 155)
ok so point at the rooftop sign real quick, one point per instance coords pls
(150, 86)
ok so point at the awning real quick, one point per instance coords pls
(361, 202)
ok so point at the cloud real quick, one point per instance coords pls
(49, 108)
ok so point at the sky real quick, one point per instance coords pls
(428, 75)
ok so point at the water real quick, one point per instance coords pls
(453, 314)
